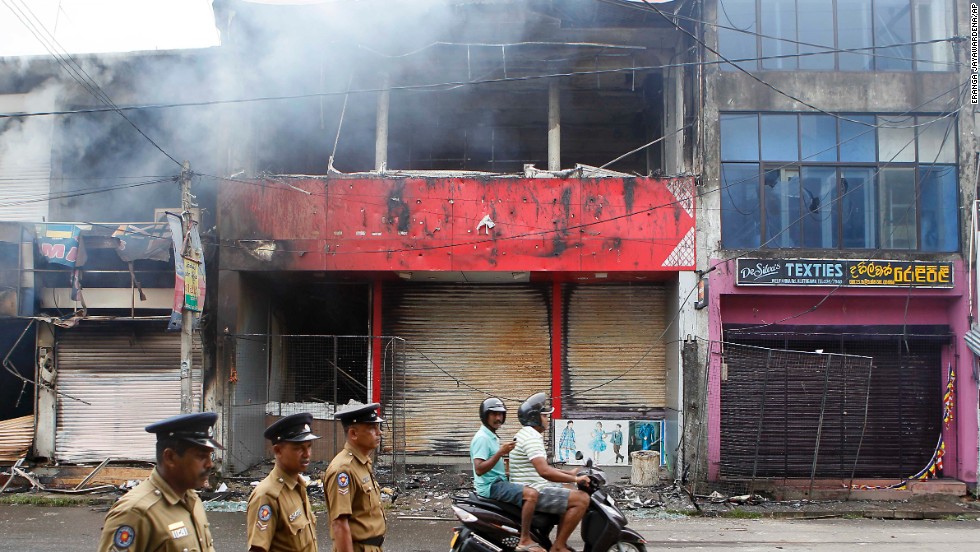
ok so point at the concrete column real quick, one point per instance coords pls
(554, 126)
(381, 138)
(46, 409)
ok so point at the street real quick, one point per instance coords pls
(50, 529)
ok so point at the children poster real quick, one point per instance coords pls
(605, 441)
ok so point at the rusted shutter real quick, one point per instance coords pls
(128, 376)
(462, 342)
(614, 355)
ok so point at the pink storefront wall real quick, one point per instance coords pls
(858, 307)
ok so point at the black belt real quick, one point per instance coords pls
(373, 541)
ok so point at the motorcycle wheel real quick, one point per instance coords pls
(627, 547)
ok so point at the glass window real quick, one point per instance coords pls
(857, 204)
(932, 20)
(782, 191)
(740, 220)
(816, 28)
(896, 139)
(818, 134)
(820, 206)
(939, 223)
(854, 32)
(737, 32)
(780, 138)
(937, 138)
(892, 34)
(896, 197)
(857, 139)
(779, 22)
(740, 137)
(840, 195)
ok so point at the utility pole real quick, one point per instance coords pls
(186, 319)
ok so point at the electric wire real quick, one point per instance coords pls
(72, 67)
(428, 87)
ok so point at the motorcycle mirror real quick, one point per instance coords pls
(578, 455)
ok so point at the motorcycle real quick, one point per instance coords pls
(492, 526)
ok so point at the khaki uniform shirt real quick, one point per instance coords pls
(352, 491)
(152, 517)
(280, 518)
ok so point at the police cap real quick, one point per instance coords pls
(294, 428)
(360, 414)
(197, 428)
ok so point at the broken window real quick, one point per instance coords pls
(870, 35)
(893, 188)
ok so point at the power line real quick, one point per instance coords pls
(424, 86)
(72, 67)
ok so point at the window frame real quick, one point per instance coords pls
(758, 64)
(918, 166)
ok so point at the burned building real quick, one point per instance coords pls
(460, 199)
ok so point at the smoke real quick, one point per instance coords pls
(272, 49)
(25, 154)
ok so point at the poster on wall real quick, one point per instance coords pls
(605, 441)
(648, 435)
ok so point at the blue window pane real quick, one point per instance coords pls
(740, 219)
(854, 33)
(740, 137)
(780, 138)
(939, 220)
(819, 136)
(779, 22)
(893, 32)
(857, 206)
(783, 216)
(896, 201)
(857, 141)
(737, 33)
(816, 26)
(820, 207)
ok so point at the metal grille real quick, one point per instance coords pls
(791, 413)
(279, 375)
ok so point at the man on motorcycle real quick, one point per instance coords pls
(489, 475)
(529, 466)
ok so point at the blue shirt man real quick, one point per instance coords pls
(485, 445)
(490, 475)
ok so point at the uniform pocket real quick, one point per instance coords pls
(301, 528)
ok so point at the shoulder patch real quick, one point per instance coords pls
(124, 537)
(265, 512)
(343, 480)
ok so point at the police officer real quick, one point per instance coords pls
(357, 522)
(280, 518)
(163, 513)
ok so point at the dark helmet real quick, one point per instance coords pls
(531, 410)
(493, 404)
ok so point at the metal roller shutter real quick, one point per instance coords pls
(881, 412)
(130, 377)
(462, 341)
(615, 359)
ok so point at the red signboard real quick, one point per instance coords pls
(459, 224)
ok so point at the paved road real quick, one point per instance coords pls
(47, 529)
